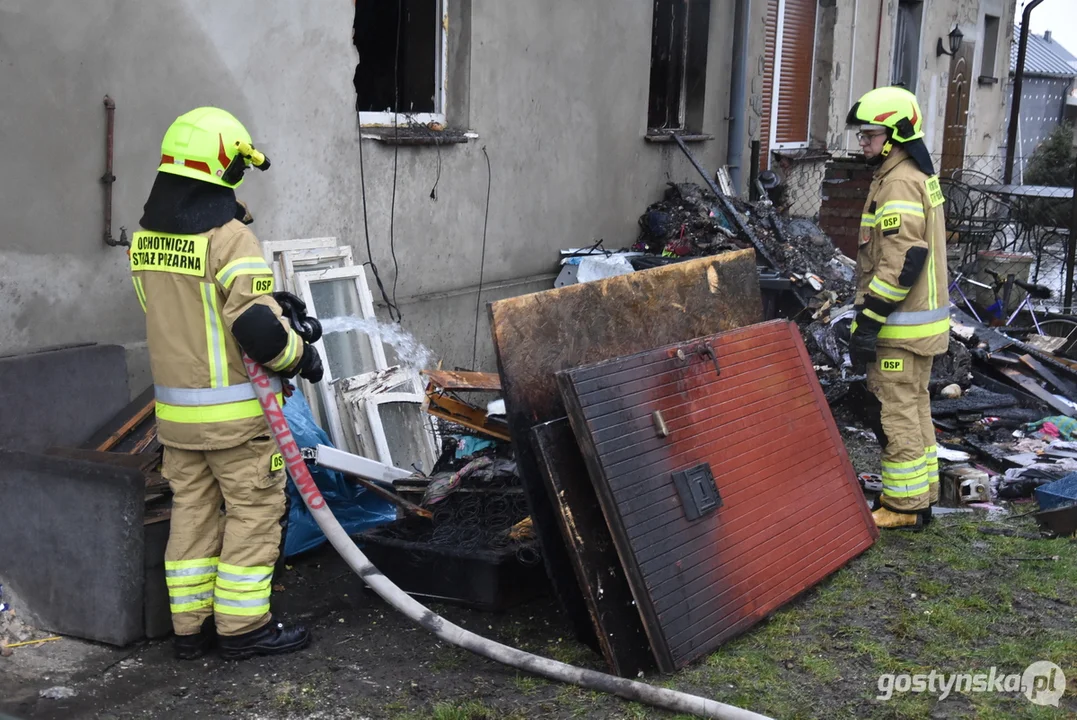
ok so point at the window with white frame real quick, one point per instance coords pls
(403, 54)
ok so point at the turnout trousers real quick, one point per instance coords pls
(910, 466)
(216, 563)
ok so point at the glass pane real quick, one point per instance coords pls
(403, 423)
(348, 352)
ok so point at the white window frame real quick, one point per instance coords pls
(303, 281)
(775, 97)
(352, 396)
(394, 119)
(272, 248)
(292, 261)
(371, 405)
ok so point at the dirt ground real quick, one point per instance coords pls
(953, 599)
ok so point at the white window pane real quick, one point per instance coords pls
(348, 353)
(403, 424)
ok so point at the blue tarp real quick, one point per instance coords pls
(355, 507)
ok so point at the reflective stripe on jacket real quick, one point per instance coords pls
(904, 210)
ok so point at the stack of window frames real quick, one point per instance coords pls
(325, 276)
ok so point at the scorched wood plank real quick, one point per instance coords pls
(745, 406)
(542, 333)
(598, 569)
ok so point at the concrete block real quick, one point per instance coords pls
(156, 613)
(60, 397)
(73, 545)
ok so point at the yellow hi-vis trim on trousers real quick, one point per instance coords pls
(905, 479)
(190, 583)
(211, 413)
(243, 590)
(190, 597)
(932, 455)
(189, 572)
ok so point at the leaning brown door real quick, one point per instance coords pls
(957, 111)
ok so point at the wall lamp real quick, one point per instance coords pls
(955, 37)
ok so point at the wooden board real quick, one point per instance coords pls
(790, 509)
(539, 334)
(464, 381)
(1064, 387)
(136, 414)
(1033, 388)
(605, 588)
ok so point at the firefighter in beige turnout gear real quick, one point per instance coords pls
(208, 295)
(902, 302)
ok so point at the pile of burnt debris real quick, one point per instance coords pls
(1003, 403)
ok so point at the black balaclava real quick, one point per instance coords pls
(187, 206)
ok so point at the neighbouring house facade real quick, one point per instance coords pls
(861, 44)
(1048, 93)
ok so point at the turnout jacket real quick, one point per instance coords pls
(901, 262)
(208, 299)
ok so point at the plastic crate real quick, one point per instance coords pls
(1058, 493)
(482, 579)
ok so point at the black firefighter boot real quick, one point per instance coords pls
(192, 647)
(272, 638)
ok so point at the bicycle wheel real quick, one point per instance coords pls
(1062, 328)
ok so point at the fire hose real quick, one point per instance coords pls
(312, 497)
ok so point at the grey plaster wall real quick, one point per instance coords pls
(557, 92)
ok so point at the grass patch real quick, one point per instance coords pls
(470, 710)
(950, 599)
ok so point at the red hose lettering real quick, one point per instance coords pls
(297, 468)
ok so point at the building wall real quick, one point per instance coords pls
(861, 58)
(557, 92)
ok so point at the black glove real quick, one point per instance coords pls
(310, 366)
(295, 310)
(863, 341)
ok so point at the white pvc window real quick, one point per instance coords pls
(341, 293)
(314, 260)
(399, 431)
(272, 249)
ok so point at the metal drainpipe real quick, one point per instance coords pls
(108, 178)
(1018, 81)
(738, 91)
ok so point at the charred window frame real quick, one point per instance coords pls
(403, 47)
(679, 37)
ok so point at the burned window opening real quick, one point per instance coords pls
(679, 38)
(399, 45)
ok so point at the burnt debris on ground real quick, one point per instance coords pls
(1000, 395)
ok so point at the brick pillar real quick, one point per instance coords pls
(845, 187)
